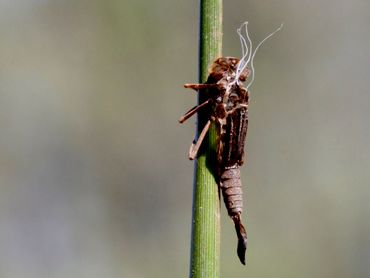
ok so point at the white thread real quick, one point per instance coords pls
(248, 51)
(244, 46)
(242, 40)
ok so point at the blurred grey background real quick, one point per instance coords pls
(94, 176)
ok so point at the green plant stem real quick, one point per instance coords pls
(205, 242)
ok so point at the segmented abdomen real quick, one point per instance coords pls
(232, 190)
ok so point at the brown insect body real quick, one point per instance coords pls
(227, 106)
(224, 100)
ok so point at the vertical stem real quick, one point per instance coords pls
(205, 242)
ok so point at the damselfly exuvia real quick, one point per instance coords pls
(225, 103)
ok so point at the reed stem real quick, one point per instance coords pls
(205, 241)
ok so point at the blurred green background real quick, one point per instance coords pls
(94, 176)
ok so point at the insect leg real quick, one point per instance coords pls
(200, 86)
(192, 111)
(194, 148)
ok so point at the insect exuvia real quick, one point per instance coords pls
(226, 105)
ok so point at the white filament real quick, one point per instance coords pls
(242, 40)
(248, 52)
(243, 62)
(244, 48)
